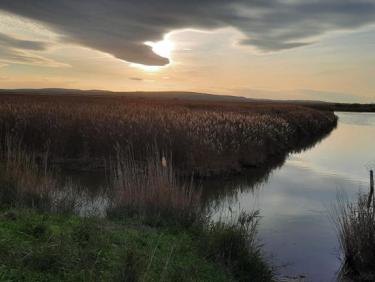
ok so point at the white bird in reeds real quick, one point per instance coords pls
(163, 162)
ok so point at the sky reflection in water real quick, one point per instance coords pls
(294, 202)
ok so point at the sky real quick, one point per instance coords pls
(278, 49)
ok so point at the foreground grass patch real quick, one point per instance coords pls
(39, 247)
(355, 223)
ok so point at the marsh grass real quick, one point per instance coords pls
(22, 181)
(234, 245)
(204, 137)
(153, 191)
(355, 224)
(26, 182)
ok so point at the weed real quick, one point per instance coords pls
(355, 223)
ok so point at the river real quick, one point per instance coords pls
(296, 230)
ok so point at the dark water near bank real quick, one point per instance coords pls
(295, 200)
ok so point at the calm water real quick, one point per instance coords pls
(294, 200)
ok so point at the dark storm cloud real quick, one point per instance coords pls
(120, 27)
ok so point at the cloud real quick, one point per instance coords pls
(120, 28)
(18, 51)
(12, 42)
(136, 78)
(16, 56)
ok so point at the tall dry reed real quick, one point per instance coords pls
(27, 182)
(153, 191)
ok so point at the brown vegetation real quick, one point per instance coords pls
(204, 137)
(26, 184)
(153, 192)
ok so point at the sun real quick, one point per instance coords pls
(162, 48)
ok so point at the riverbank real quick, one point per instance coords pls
(153, 229)
(45, 247)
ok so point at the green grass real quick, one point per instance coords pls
(42, 247)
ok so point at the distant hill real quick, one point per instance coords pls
(157, 94)
(195, 96)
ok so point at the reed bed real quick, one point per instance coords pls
(153, 191)
(203, 137)
(26, 182)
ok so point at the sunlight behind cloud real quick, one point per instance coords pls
(162, 48)
(145, 67)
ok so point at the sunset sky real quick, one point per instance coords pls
(281, 49)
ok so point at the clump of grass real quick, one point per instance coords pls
(21, 179)
(25, 183)
(356, 232)
(153, 192)
(234, 245)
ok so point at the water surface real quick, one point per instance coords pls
(294, 200)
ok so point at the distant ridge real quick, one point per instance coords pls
(193, 96)
(184, 95)
(152, 94)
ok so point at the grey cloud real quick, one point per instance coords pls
(271, 45)
(14, 56)
(17, 51)
(136, 78)
(120, 27)
(8, 41)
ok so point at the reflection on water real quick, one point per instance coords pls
(294, 200)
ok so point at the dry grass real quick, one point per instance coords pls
(152, 191)
(356, 231)
(25, 183)
(204, 137)
(22, 181)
